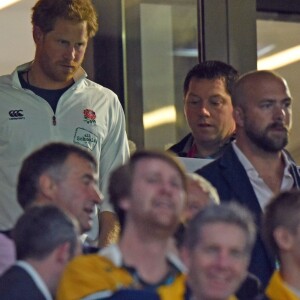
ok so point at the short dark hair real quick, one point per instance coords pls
(46, 12)
(229, 213)
(282, 211)
(212, 69)
(50, 158)
(41, 229)
(120, 181)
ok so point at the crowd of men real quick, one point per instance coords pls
(80, 218)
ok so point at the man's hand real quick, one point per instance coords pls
(109, 228)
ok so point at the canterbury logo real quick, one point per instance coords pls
(16, 113)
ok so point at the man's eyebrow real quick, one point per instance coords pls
(193, 95)
(89, 177)
(217, 96)
(274, 100)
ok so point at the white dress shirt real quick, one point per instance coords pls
(262, 191)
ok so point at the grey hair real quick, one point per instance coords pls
(48, 159)
(206, 186)
(41, 229)
(229, 213)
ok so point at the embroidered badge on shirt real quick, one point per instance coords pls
(85, 138)
(89, 116)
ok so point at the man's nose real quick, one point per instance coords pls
(70, 53)
(203, 110)
(223, 260)
(166, 186)
(97, 196)
(279, 112)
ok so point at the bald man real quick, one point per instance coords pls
(256, 166)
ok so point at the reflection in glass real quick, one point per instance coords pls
(278, 49)
(158, 55)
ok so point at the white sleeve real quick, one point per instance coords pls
(115, 150)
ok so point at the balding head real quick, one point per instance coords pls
(249, 84)
(262, 111)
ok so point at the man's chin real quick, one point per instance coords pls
(206, 136)
(85, 228)
(64, 79)
(64, 76)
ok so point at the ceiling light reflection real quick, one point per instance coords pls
(265, 50)
(6, 3)
(158, 117)
(280, 59)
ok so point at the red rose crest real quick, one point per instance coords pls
(89, 116)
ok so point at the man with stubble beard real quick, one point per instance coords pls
(50, 99)
(256, 166)
(148, 194)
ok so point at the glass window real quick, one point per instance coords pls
(160, 39)
(17, 46)
(278, 49)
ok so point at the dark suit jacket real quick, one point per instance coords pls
(17, 284)
(232, 183)
(185, 144)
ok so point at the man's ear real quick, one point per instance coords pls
(283, 238)
(47, 186)
(37, 34)
(62, 253)
(238, 115)
(125, 203)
